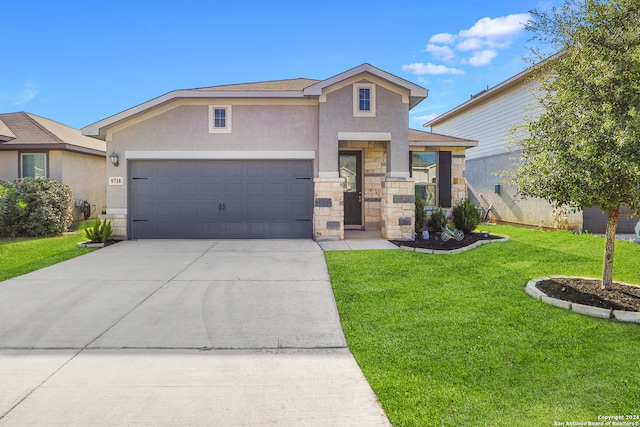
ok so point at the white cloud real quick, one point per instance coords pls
(441, 52)
(419, 68)
(482, 57)
(483, 40)
(497, 28)
(425, 118)
(29, 92)
(444, 38)
(469, 44)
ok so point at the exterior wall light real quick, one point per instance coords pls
(114, 159)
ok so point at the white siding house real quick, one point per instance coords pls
(489, 117)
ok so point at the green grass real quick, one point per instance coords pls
(453, 340)
(21, 256)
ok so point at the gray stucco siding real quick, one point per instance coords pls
(185, 128)
(336, 115)
(254, 127)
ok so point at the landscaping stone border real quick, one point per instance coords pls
(603, 313)
(89, 244)
(454, 251)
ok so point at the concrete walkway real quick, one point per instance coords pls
(358, 240)
(175, 332)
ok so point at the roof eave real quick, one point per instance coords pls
(494, 90)
(465, 144)
(417, 93)
(53, 146)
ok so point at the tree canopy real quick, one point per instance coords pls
(584, 149)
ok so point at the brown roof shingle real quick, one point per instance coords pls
(268, 86)
(31, 131)
(436, 138)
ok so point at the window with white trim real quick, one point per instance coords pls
(219, 118)
(33, 165)
(364, 100)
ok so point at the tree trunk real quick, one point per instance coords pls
(607, 272)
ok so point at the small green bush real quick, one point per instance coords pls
(438, 219)
(421, 214)
(466, 216)
(35, 207)
(98, 232)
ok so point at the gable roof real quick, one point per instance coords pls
(417, 93)
(300, 88)
(25, 131)
(268, 86)
(432, 139)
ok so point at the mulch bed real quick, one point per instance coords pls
(590, 292)
(436, 243)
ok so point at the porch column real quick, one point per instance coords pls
(328, 209)
(398, 208)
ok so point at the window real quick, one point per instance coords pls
(364, 100)
(424, 171)
(219, 118)
(33, 165)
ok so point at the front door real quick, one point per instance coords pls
(351, 171)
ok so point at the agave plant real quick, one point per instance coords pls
(99, 232)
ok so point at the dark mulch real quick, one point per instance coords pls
(436, 243)
(590, 292)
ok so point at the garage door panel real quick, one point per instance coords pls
(220, 198)
(278, 189)
(255, 189)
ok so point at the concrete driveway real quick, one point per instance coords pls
(177, 332)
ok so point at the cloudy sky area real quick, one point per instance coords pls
(79, 62)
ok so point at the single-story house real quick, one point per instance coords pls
(33, 146)
(488, 118)
(288, 158)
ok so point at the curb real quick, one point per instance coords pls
(602, 313)
(455, 251)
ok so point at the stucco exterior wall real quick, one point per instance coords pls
(86, 177)
(287, 126)
(483, 175)
(336, 115)
(8, 165)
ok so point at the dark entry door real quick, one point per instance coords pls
(351, 171)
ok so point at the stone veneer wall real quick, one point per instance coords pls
(374, 159)
(398, 208)
(118, 225)
(328, 209)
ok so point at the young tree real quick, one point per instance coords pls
(584, 149)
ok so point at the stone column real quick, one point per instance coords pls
(398, 208)
(328, 209)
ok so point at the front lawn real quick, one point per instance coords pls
(21, 256)
(453, 340)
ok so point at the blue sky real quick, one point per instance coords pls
(78, 62)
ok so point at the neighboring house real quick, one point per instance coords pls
(488, 118)
(289, 158)
(32, 146)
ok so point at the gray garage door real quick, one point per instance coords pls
(204, 199)
(594, 221)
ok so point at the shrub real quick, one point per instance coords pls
(438, 219)
(466, 216)
(98, 232)
(421, 214)
(35, 207)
